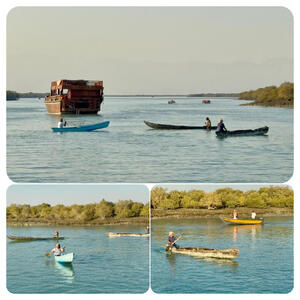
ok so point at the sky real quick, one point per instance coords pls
(150, 50)
(74, 194)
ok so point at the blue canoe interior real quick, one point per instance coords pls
(81, 128)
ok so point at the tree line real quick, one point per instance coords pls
(272, 95)
(274, 196)
(87, 212)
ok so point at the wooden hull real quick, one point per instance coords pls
(30, 239)
(65, 258)
(248, 132)
(175, 127)
(243, 221)
(206, 252)
(118, 234)
(82, 128)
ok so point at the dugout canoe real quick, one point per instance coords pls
(175, 127)
(82, 128)
(65, 258)
(118, 234)
(243, 221)
(29, 239)
(247, 132)
(205, 252)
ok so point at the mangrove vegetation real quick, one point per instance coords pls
(104, 212)
(282, 96)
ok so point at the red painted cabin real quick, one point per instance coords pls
(75, 97)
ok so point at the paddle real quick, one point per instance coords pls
(169, 246)
(47, 254)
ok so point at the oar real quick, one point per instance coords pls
(47, 254)
(169, 246)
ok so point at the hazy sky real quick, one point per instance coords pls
(156, 50)
(74, 194)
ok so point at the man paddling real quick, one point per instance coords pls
(56, 235)
(57, 251)
(62, 123)
(221, 127)
(172, 240)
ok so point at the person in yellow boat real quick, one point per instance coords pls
(235, 214)
(253, 215)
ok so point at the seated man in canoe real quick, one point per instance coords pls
(208, 123)
(56, 235)
(57, 251)
(62, 123)
(221, 127)
(172, 240)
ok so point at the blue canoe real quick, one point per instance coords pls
(90, 127)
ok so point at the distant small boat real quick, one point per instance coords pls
(175, 127)
(205, 252)
(29, 239)
(171, 101)
(117, 234)
(65, 258)
(243, 221)
(247, 132)
(81, 128)
(206, 101)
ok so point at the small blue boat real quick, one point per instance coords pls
(65, 258)
(81, 128)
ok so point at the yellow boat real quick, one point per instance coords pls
(243, 221)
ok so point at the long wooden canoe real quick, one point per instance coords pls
(206, 252)
(29, 239)
(65, 258)
(243, 221)
(247, 132)
(117, 234)
(175, 127)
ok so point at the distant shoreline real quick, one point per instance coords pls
(244, 212)
(111, 221)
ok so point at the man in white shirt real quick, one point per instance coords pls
(253, 215)
(61, 123)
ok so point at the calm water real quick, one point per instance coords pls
(101, 264)
(128, 151)
(264, 265)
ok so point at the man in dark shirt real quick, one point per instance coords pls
(172, 239)
(221, 127)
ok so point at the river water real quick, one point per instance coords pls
(129, 151)
(101, 264)
(264, 264)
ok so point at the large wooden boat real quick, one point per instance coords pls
(205, 252)
(243, 221)
(75, 97)
(29, 239)
(247, 132)
(118, 234)
(81, 128)
(175, 127)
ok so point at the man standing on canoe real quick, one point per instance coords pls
(172, 240)
(208, 123)
(221, 127)
(235, 214)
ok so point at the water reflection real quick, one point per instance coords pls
(66, 271)
(242, 229)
